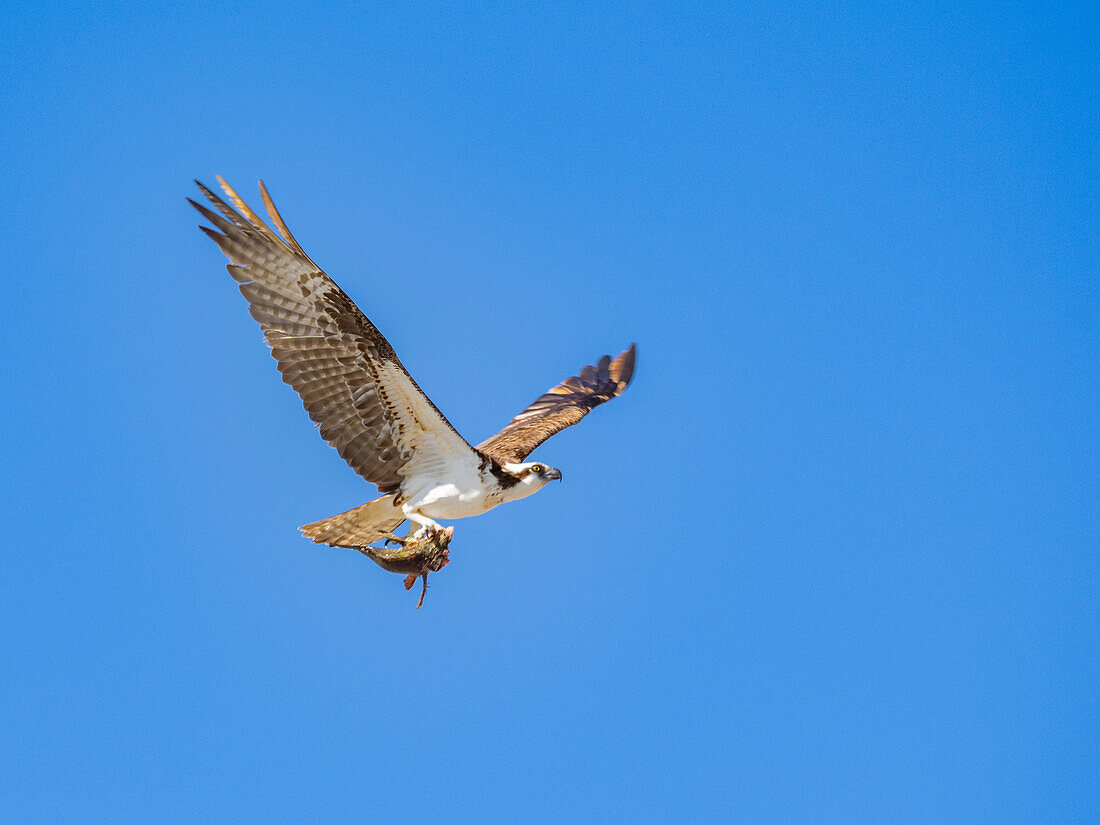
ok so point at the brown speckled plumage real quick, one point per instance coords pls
(561, 406)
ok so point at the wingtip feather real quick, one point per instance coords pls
(242, 207)
(218, 221)
(277, 219)
(622, 368)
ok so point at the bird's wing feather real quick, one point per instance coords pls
(350, 380)
(561, 406)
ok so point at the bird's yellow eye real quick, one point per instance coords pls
(536, 469)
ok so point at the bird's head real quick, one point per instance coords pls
(533, 474)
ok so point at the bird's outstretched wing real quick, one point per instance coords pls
(562, 406)
(351, 382)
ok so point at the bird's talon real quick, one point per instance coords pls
(424, 533)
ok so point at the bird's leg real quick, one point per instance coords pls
(427, 526)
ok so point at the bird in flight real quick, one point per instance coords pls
(370, 409)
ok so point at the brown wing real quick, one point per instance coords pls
(351, 382)
(561, 407)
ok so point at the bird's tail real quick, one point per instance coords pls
(359, 526)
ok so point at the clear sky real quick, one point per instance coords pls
(832, 558)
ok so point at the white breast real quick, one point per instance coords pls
(463, 493)
(461, 496)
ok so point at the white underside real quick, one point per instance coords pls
(468, 494)
(443, 477)
(452, 501)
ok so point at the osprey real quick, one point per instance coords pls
(370, 409)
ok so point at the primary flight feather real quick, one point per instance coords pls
(366, 404)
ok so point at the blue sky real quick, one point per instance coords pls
(832, 558)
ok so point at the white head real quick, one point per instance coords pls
(532, 475)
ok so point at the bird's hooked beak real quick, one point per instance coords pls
(554, 474)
